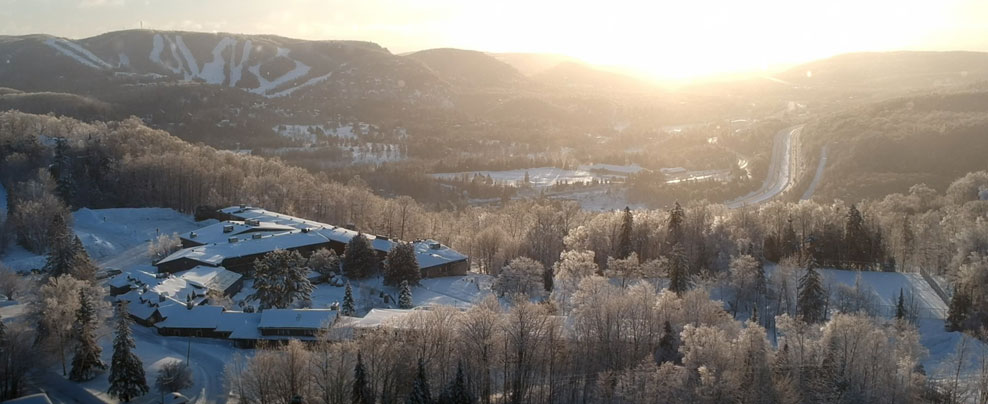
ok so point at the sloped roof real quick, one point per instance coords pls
(216, 278)
(179, 316)
(296, 318)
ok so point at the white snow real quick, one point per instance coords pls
(77, 52)
(265, 85)
(309, 82)
(190, 60)
(237, 69)
(538, 177)
(213, 72)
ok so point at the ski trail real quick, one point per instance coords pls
(80, 54)
(818, 176)
(190, 60)
(237, 69)
(213, 72)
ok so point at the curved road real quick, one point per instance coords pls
(781, 170)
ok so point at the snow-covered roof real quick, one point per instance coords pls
(379, 317)
(138, 307)
(232, 320)
(214, 254)
(40, 398)
(134, 278)
(296, 318)
(430, 253)
(215, 278)
(215, 233)
(179, 316)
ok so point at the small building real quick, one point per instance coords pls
(197, 321)
(294, 323)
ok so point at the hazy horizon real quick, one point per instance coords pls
(663, 40)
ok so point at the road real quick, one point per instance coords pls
(206, 366)
(781, 170)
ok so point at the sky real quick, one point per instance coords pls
(661, 38)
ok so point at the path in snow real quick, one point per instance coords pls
(780, 170)
(80, 54)
(816, 177)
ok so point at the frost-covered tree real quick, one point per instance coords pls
(521, 276)
(812, 299)
(573, 266)
(348, 308)
(456, 392)
(678, 270)
(748, 281)
(360, 391)
(754, 376)
(420, 387)
(359, 259)
(163, 245)
(55, 311)
(86, 363)
(325, 262)
(405, 296)
(401, 265)
(674, 228)
(127, 380)
(624, 247)
(625, 269)
(280, 280)
(173, 376)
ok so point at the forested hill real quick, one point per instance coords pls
(889, 146)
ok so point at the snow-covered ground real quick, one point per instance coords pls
(932, 310)
(538, 177)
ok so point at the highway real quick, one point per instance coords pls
(781, 170)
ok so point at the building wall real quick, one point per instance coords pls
(451, 269)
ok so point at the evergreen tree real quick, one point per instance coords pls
(960, 307)
(668, 349)
(348, 309)
(360, 392)
(420, 387)
(86, 363)
(789, 244)
(624, 242)
(401, 265)
(127, 379)
(82, 267)
(674, 229)
(456, 391)
(678, 270)
(405, 296)
(358, 258)
(811, 299)
(60, 254)
(900, 307)
(61, 171)
(857, 243)
(280, 280)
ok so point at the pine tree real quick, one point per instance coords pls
(624, 242)
(348, 308)
(358, 258)
(61, 171)
(674, 229)
(401, 265)
(960, 307)
(360, 392)
(82, 267)
(405, 296)
(857, 243)
(280, 280)
(900, 307)
(678, 270)
(811, 299)
(668, 351)
(60, 254)
(790, 242)
(86, 363)
(420, 387)
(127, 379)
(456, 391)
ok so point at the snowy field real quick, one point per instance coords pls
(539, 177)
(932, 310)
